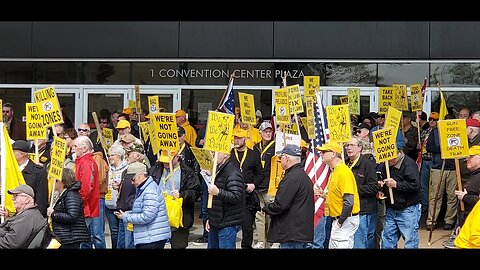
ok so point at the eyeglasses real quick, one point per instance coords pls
(83, 129)
(6, 111)
(381, 116)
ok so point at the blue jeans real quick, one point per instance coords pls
(321, 234)
(113, 224)
(224, 238)
(293, 245)
(402, 223)
(96, 226)
(204, 201)
(125, 237)
(425, 183)
(365, 234)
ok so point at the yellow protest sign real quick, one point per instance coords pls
(35, 128)
(144, 127)
(107, 134)
(58, 156)
(132, 104)
(416, 97)
(386, 99)
(247, 108)
(304, 121)
(453, 138)
(393, 118)
(282, 112)
(311, 85)
(295, 99)
(137, 99)
(154, 141)
(1, 103)
(292, 129)
(384, 141)
(400, 93)
(204, 158)
(49, 106)
(276, 175)
(310, 123)
(354, 100)
(219, 131)
(339, 123)
(165, 130)
(344, 100)
(153, 104)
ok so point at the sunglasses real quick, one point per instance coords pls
(6, 111)
(103, 122)
(83, 129)
(430, 119)
(358, 131)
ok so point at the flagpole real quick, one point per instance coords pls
(226, 90)
(3, 165)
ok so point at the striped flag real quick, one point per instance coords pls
(227, 104)
(318, 171)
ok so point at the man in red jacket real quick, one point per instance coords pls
(86, 171)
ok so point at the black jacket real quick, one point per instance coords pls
(189, 159)
(407, 192)
(189, 189)
(68, 221)
(126, 196)
(229, 204)
(36, 177)
(252, 172)
(433, 146)
(471, 198)
(267, 158)
(366, 178)
(293, 208)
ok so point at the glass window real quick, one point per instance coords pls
(57, 72)
(364, 104)
(16, 72)
(458, 74)
(100, 102)
(106, 73)
(166, 101)
(408, 74)
(456, 100)
(155, 73)
(197, 103)
(351, 74)
(17, 97)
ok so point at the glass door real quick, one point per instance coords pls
(368, 98)
(168, 98)
(103, 101)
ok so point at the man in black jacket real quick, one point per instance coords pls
(248, 161)
(226, 214)
(403, 215)
(293, 208)
(34, 175)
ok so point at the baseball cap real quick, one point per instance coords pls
(435, 115)
(135, 147)
(264, 126)
(21, 145)
(127, 111)
(164, 156)
(362, 125)
(473, 122)
(292, 150)
(123, 124)
(22, 189)
(331, 146)
(180, 113)
(240, 132)
(136, 167)
(474, 150)
(127, 138)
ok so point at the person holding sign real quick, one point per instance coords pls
(16, 127)
(226, 215)
(182, 121)
(381, 122)
(403, 216)
(342, 199)
(293, 208)
(34, 175)
(186, 186)
(248, 161)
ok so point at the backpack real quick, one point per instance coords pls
(40, 237)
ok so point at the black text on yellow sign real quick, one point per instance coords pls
(58, 156)
(386, 99)
(35, 128)
(384, 141)
(49, 106)
(166, 131)
(219, 132)
(453, 138)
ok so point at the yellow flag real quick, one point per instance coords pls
(14, 177)
(469, 236)
(443, 107)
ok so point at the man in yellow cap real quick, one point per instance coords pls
(252, 135)
(342, 201)
(248, 161)
(190, 133)
(470, 193)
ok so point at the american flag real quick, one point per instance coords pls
(227, 104)
(318, 171)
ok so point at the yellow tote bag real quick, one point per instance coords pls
(174, 211)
